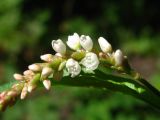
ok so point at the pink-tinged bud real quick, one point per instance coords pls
(34, 67)
(47, 57)
(47, 84)
(15, 86)
(2, 100)
(24, 92)
(3, 94)
(11, 93)
(18, 76)
(30, 88)
(118, 57)
(46, 71)
(28, 73)
(58, 54)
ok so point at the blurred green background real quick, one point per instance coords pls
(27, 28)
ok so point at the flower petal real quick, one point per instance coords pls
(86, 42)
(90, 61)
(73, 67)
(73, 41)
(59, 46)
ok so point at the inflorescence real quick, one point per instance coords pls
(81, 56)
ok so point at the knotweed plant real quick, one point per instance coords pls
(77, 63)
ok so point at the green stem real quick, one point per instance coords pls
(153, 89)
(104, 79)
(114, 83)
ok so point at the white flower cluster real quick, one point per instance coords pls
(82, 57)
(77, 43)
(28, 77)
(85, 43)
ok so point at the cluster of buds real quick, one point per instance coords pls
(8, 97)
(115, 59)
(81, 56)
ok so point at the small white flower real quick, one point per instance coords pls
(104, 45)
(118, 57)
(90, 61)
(47, 84)
(86, 42)
(59, 46)
(74, 41)
(73, 67)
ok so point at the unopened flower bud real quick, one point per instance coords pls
(11, 93)
(30, 88)
(86, 42)
(28, 73)
(104, 45)
(3, 94)
(73, 67)
(24, 92)
(59, 46)
(47, 84)
(62, 65)
(118, 57)
(58, 55)
(2, 101)
(34, 67)
(47, 57)
(18, 76)
(74, 41)
(46, 71)
(90, 61)
(14, 86)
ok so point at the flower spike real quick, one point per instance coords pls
(64, 65)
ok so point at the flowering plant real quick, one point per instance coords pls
(80, 65)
